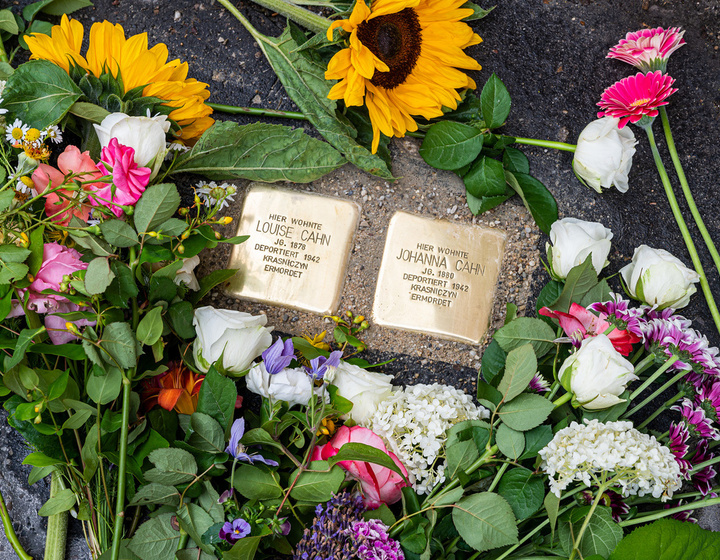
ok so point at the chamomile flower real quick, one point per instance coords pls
(15, 132)
(34, 137)
(25, 185)
(211, 194)
(53, 133)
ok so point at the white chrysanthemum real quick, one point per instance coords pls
(414, 422)
(211, 194)
(613, 450)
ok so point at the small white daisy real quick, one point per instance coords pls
(53, 133)
(211, 194)
(15, 132)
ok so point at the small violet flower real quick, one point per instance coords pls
(237, 449)
(233, 532)
(321, 365)
(278, 356)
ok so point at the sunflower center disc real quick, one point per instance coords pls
(396, 39)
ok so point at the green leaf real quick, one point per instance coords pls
(552, 507)
(486, 178)
(536, 197)
(13, 253)
(451, 145)
(495, 102)
(317, 486)
(77, 420)
(209, 281)
(485, 521)
(62, 501)
(548, 296)
(515, 161)
(580, 280)
(304, 80)
(535, 440)
(520, 368)
(523, 330)
(39, 459)
(23, 341)
(244, 549)
(150, 328)
(509, 441)
(361, 452)
(601, 535)
(669, 539)
(478, 12)
(255, 483)
(459, 456)
(156, 539)
(523, 490)
(10, 271)
(180, 315)
(600, 292)
(484, 203)
(103, 389)
(173, 226)
(120, 342)
(258, 436)
(157, 204)
(493, 362)
(60, 7)
(526, 411)
(118, 233)
(259, 152)
(90, 112)
(195, 521)
(217, 398)
(8, 23)
(38, 473)
(207, 434)
(123, 288)
(156, 494)
(98, 276)
(91, 242)
(41, 93)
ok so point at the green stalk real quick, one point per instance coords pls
(56, 538)
(530, 534)
(498, 476)
(662, 369)
(10, 532)
(3, 53)
(701, 466)
(683, 227)
(257, 111)
(686, 190)
(664, 407)
(666, 386)
(301, 16)
(122, 468)
(578, 539)
(671, 511)
(545, 143)
(647, 362)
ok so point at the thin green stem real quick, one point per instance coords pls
(662, 369)
(683, 228)
(498, 476)
(257, 111)
(701, 466)
(301, 16)
(562, 400)
(578, 539)
(10, 532)
(122, 467)
(664, 407)
(665, 512)
(530, 534)
(56, 535)
(686, 190)
(657, 393)
(545, 144)
(644, 364)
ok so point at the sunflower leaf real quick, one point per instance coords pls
(495, 102)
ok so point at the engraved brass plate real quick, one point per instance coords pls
(438, 277)
(298, 248)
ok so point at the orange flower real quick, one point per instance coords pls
(176, 389)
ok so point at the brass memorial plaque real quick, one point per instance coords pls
(298, 248)
(438, 277)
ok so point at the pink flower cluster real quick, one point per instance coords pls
(648, 49)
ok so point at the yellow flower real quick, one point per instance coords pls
(402, 60)
(135, 63)
(318, 341)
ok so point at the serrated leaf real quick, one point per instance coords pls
(207, 434)
(601, 535)
(157, 204)
(89, 111)
(195, 521)
(510, 442)
(156, 539)
(523, 490)
(485, 521)
(217, 397)
(150, 327)
(120, 342)
(60, 7)
(156, 494)
(451, 145)
(174, 461)
(526, 411)
(119, 233)
(515, 161)
(520, 368)
(317, 486)
(486, 179)
(580, 280)
(98, 276)
(669, 539)
(495, 102)
(523, 330)
(484, 203)
(536, 197)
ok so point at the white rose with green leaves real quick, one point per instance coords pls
(573, 241)
(366, 389)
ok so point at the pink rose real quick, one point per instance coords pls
(129, 180)
(59, 205)
(379, 484)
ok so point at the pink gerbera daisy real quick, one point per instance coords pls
(635, 97)
(648, 49)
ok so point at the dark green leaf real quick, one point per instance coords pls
(256, 484)
(244, 549)
(123, 288)
(64, 500)
(600, 292)
(317, 486)
(535, 440)
(156, 539)
(119, 233)
(510, 442)
(23, 341)
(485, 521)
(60, 7)
(361, 452)
(526, 411)
(217, 398)
(478, 12)
(150, 327)
(601, 535)
(515, 161)
(495, 102)
(549, 295)
(195, 521)
(39, 459)
(523, 330)
(156, 494)
(157, 204)
(8, 23)
(520, 368)
(181, 319)
(486, 179)
(493, 362)
(523, 490)
(669, 539)
(207, 435)
(103, 389)
(580, 280)
(209, 281)
(451, 145)
(120, 342)
(536, 197)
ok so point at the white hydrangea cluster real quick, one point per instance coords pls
(414, 422)
(637, 461)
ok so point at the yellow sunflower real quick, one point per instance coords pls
(110, 51)
(402, 60)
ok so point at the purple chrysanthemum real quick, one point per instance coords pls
(679, 436)
(619, 314)
(682, 515)
(698, 423)
(375, 543)
(708, 398)
(702, 479)
(610, 499)
(539, 384)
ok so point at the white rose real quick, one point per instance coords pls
(659, 279)
(293, 386)
(186, 275)
(573, 240)
(146, 135)
(236, 336)
(597, 374)
(366, 389)
(603, 156)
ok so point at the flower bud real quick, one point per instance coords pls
(218, 235)
(183, 211)
(358, 319)
(181, 249)
(226, 220)
(72, 327)
(573, 241)
(185, 235)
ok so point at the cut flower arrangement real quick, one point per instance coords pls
(174, 430)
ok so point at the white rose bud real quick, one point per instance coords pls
(573, 240)
(659, 279)
(146, 135)
(293, 386)
(236, 336)
(596, 374)
(186, 273)
(603, 156)
(366, 389)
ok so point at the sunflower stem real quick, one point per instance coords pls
(683, 227)
(301, 16)
(257, 111)
(544, 143)
(686, 190)
(10, 532)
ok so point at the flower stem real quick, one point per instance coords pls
(56, 537)
(530, 534)
(686, 190)
(665, 512)
(662, 369)
(257, 111)
(544, 143)
(122, 467)
(666, 386)
(301, 16)
(683, 227)
(644, 364)
(498, 476)
(701, 466)
(661, 409)
(562, 400)
(10, 532)
(3, 53)
(578, 539)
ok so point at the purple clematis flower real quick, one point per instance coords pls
(278, 356)
(237, 449)
(233, 532)
(320, 365)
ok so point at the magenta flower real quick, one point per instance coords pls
(679, 436)
(539, 384)
(129, 180)
(635, 97)
(648, 49)
(702, 479)
(695, 418)
(373, 541)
